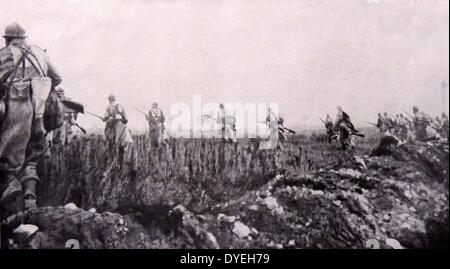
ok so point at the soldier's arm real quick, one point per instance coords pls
(6, 64)
(53, 74)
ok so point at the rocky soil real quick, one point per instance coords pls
(194, 194)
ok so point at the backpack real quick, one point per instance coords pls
(47, 101)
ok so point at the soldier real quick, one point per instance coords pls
(156, 121)
(65, 133)
(22, 131)
(403, 127)
(420, 122)
(227, 125)
(343, 118)
(444, 126)
(381, 124)
(116, 131)
(389, 123)
(276, 124)
(329, 128)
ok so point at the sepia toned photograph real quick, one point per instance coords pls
(224, 124)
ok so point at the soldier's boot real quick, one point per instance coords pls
(11, 189)
(29, 180)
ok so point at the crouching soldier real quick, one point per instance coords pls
(26, 79)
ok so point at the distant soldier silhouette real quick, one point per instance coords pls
(156, 121)
(444, 125)
(26, 79)
(420, 121)
(342, 118)
(227, 125)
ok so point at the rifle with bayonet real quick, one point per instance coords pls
(79, 127)
(408, 114)
(145, 114)
(95, 115)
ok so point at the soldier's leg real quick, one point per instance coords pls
(15, 132)
(37, 147)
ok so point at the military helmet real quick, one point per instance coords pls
(111, 97)
(14, 30)
(415, 108)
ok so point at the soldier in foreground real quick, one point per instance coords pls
(26, 79)
(156, 121)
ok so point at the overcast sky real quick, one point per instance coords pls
(308, 55)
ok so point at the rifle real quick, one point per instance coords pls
(324, 122)
(289, 130)
(95, 115)
(408, 114)
(372, 124)
(360, 135)
(81, 128)
(145, 114)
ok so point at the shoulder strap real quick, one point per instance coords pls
(16, 67)
(40, 70)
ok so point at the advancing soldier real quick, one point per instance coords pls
(344, 118)
(65, 133)
(381, 124)
(276, 125)
(329, 128)
(444, 126)
(26, 78)
(389, 123)
(227, 125)
(403, 127)
(116, 130)
(156, 121)
(420, 121)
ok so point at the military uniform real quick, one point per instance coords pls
(444, 126)
(116, 130)
(227, 125)
(64, 134)
(420, 122)
(156, 121)
(22, 133)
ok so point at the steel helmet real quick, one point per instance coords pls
(14, 30)
(60, 92)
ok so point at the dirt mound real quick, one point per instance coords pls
(324, 198)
